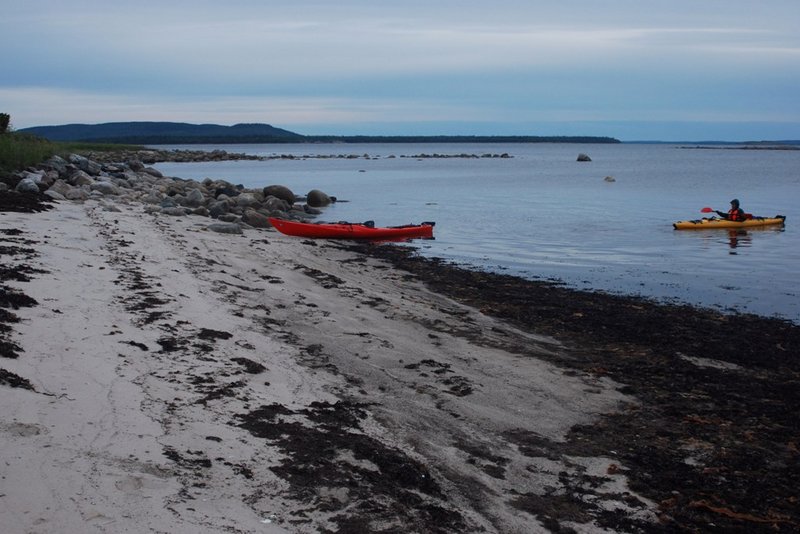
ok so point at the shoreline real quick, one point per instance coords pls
(256, 382)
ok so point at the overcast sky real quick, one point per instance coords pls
(632, 69)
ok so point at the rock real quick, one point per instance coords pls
(86, 165)
(311, 211)
(202, 211)
(135, 165)
(229, 217)
(152, 198)
(246, 200)
(317, 199)
(195, 198)
(610, 179)
(584, 157)
(3, 186)
(77, 193)
(225, 228)
(276, 204)
(55, 195)
(27, 185)
(107, 188)
(152, 172)
(218, 207)
(175, 211)
(57, 163)
(280, 191)
(255, 219)
(61, 187)
(224, 188)
(79, 178)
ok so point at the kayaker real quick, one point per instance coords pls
(736, 213)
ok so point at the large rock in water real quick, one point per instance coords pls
(584, 157)
(280, 191)
(317, 199)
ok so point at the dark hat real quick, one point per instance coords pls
(735, 202)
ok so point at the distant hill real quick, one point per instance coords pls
(147, 133)
(174, 133)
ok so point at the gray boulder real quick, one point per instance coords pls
(175, 211)
(246, 200)
(86, 165)
(276, 204)
(584, 157)
(55, 195)
(152, 172)
(79, 178)
(255, 219)
(61, 187)
(317, 199)
(218, 207)
(225, 228)
(27, 185)
(280, 191)
(107, 188)
(195, 198)
(77, 193)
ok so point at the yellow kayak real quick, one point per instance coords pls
(713, 222)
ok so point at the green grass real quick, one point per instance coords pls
(18, 151)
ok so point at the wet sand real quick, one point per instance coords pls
(164, 378)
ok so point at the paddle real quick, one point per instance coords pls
(707, 210)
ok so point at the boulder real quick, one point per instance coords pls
(610, 179)
(107, 188)
(57, 163)
(79, 178)
(86, 165)
(152, 172)
(225, 228)
(195, 198)
(255, 219)
(276, 204)
(61, 187)
(55, 195)
(317, 199)
(135, 165)
(584, 157)
(279, 191)
(246, 200)
(218, 207)
(77, 193)
(27, 185)
(175, 211)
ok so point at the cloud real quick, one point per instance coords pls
(358, 62)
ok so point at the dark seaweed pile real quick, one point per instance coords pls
(715, 444)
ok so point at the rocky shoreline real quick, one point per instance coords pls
(258, 383)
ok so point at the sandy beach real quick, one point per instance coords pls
(173, 379)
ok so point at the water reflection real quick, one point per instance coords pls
(738, 238)
(733, 238)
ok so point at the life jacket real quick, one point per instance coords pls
(737, 214)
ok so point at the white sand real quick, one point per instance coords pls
(89, 449)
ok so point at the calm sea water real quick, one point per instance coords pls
(541, 214)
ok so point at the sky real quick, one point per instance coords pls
(631, 69)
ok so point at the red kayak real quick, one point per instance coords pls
(345, 230)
